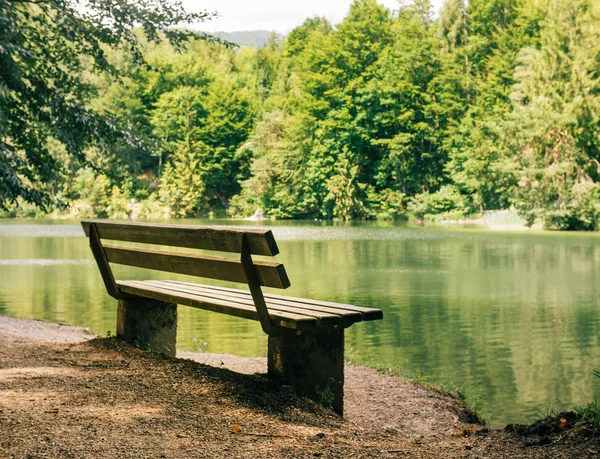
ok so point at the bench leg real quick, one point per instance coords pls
(148, 324)
(312, 362)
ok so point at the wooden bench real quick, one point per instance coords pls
(306, 337)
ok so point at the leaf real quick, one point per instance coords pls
(563, 423)
(236, 428)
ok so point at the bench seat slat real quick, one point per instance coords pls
(230, 269)
(328, 318)
(223, 239)
(280, 318)
(322, 313)
(367, 313)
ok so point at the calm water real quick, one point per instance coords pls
(513, 318)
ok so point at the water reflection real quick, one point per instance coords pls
(510, 316)
(42, 262)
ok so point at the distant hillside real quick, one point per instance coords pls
(254, 38)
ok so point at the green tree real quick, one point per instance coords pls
(477, 165)
(41, 90)
(177, 118)
(540, 155)
(557, 101)
(330, 119)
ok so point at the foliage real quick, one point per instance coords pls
(326, 396)
(492, 105)
(591, 412)
(387, 204)
(446, 202)
(43, 48)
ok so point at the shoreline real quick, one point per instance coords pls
(493, 221)
(56, 379)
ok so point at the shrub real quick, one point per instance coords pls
(579, 212)
(387, 204)
(446, 202)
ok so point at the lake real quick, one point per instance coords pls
(512, 318)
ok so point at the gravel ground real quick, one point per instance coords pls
(67, 394)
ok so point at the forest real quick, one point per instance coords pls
(489, 105)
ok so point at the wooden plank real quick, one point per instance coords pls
(324, 319)
(279, 318)
(367, 313)
(345, 318)
(103, 266)
(226, 239)
(222, 268)
(258, 298)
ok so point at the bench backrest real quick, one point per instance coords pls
(259, 242)
(245, 242)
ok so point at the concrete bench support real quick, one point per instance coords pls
(312, 362)
(148, 324)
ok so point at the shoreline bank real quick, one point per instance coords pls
(68, 393)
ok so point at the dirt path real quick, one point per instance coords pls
(63, 394)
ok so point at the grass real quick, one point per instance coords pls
(590, 414)
(326, 396)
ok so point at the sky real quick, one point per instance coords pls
(273, 15)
